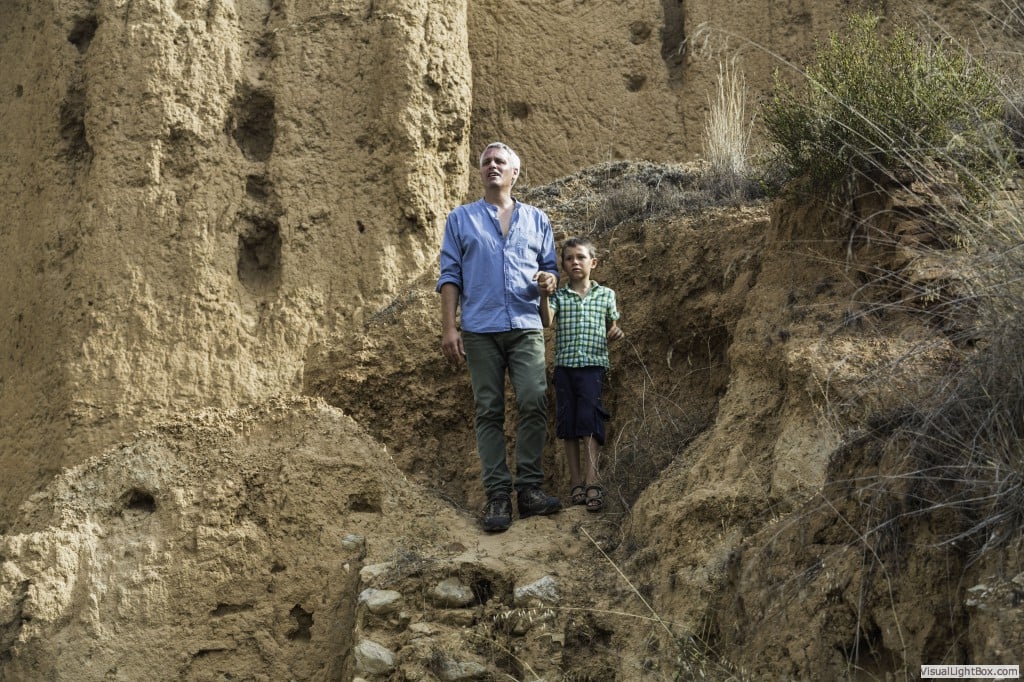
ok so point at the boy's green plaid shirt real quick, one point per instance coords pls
(581, 326)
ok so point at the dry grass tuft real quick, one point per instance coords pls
(727, 134)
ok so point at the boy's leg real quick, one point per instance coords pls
(591, 466)
(590, 419)
(594, 491)
(577, 488)
(590, 414)
(565, 423)
(486, 361)
(527, 372)
(572, 460)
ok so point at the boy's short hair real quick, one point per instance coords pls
(580, 241)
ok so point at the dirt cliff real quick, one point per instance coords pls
(335, 537)
(231, 448)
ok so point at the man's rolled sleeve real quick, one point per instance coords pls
(451, 259)
(548, 261)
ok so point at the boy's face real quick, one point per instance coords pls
(577, 262)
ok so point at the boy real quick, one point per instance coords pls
(584, 315)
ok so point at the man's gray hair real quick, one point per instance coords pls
(513, 158)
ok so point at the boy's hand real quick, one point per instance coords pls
(546, 283)
(615, 333)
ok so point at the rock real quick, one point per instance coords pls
(540, 592)
(373, 658)
(370, 573)
(354, 543)
(423, 629)
(452, 593)
(380, 602)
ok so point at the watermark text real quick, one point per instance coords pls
(970, 672)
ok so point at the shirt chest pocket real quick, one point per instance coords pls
(526, 247)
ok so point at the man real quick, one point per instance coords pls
(496, 256)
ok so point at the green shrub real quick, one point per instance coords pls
(873, 106)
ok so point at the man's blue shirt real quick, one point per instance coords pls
(494, 273)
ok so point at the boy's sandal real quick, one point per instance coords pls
(595, 502)
(578, 495)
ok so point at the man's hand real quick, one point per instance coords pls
(452, 348)
(546, 282)
(615, 332)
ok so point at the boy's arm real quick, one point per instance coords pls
(614, 331)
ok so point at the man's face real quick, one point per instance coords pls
(495, 169)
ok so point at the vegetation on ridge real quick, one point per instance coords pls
(871, 105)
(913, 143)
(894, 116)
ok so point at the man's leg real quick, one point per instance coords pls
(486, 361)
(526, 369)
(527, 373)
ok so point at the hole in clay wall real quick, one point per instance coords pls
(673, 38)
(639, 32)
(257, 186)
(72, 124)
(519, 109)
(252, 123)
(363, 502)
(140, 501)
(635, 81)
(82, 33)
(483, 590)
(259, 255)
(303, 624)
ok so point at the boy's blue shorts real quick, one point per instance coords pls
(578, 409)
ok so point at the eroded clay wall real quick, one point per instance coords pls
(569, 83)
(39, 238)
(572, 83)
(194, 191)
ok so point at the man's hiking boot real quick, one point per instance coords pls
(498, 513)
(533, 501)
